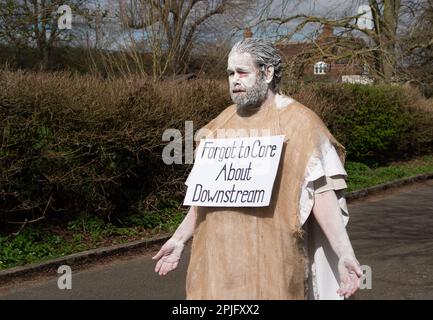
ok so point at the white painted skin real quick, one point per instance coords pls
(326, 210)
(282, 101)
(169, 256)
(170, 253)
(249, 87)
(242, 71)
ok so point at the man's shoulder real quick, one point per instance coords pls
(227, 112)
(303, 119)
(207, 130)
(293, 110)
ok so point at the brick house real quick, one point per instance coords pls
(327, 59)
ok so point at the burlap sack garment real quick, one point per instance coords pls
(256, 253)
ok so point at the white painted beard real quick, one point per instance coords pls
(252, 97)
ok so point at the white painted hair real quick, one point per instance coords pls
(265, 54)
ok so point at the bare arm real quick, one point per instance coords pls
(169, 255)
(328, 214)
(186, 229)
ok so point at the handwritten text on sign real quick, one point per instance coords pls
(234, 172)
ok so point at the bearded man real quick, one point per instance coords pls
(280, 251)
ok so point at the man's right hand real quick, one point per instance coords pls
(169, 256)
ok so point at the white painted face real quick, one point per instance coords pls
(242, 71)
(247, 86)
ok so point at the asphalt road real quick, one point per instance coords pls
(393, 234)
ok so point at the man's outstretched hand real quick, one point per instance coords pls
(169, 256)
(350, 274)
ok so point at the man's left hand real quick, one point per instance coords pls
(350, 274)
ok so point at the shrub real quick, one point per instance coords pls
(73, 144)
(376, 124)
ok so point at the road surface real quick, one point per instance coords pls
(392, 233)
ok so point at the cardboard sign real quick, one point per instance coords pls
(234, 172)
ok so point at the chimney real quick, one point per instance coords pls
(327, 31)
(248, 33)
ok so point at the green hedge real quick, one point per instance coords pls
(377, 124)
(75, 144)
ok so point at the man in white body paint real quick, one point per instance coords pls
(254, 253)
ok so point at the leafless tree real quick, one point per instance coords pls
(417, 46)
(170, 29)
(382, 40)
(33, 23)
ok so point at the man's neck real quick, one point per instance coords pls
(270, 96)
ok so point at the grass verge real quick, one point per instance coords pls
(360, 176)
(36, 243)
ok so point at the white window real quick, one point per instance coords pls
(320, 67)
